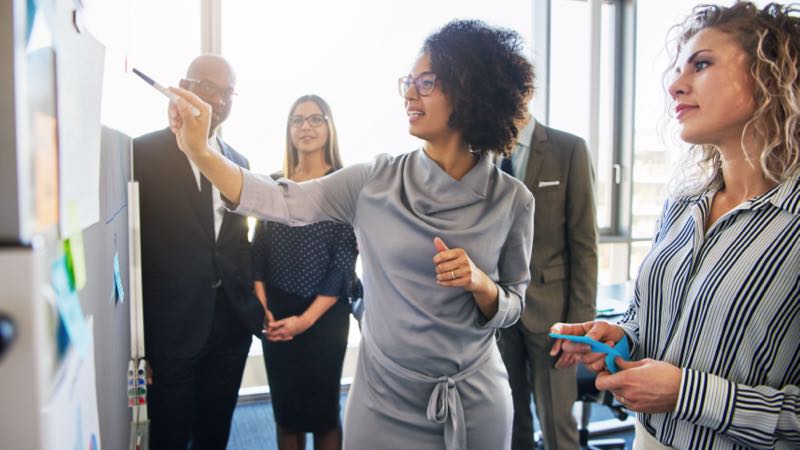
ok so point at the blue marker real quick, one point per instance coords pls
(620, 350)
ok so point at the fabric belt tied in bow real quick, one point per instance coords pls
(444, 404)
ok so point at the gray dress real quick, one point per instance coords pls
(429, 374)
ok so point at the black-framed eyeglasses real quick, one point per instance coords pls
(315, 120)
(424, 83)
(209, 88)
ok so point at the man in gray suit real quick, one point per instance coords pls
(556, 168)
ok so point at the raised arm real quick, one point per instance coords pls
(192, 135)
(329, 198)
(332, 197)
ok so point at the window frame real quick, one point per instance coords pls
(623, 61)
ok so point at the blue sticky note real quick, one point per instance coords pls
(69, 307)
(118, 280)
(621, 349)
(62, 338)
(59, 276)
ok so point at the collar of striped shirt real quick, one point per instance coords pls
(785, 196)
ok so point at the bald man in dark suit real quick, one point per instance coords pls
(199, 309)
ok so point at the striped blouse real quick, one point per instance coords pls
(724, 306)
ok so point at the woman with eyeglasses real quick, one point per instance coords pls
(303, 278)
(445, 240)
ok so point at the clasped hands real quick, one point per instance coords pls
(646, 385)
(284, 329)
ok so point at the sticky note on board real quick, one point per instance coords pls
(69, 307)
(120, 291)
(62, 338)
(76, 262)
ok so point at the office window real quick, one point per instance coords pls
(656, 147)
(582, 100)
(349, 52)
(163, 52)
(613, 260)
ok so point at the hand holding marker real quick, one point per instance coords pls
(171, 95)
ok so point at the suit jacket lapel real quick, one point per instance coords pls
(185, 177)
(537, 152)
(227, 216)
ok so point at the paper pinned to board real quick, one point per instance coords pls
(80, 59)
(70, 418)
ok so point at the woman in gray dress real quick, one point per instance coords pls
(445, 239)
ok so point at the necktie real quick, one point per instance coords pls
(505, 166)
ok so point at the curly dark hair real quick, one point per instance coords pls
(487, 80)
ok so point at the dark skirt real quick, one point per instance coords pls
(304, 374)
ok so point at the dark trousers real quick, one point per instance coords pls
(191, 400)
(531, 369)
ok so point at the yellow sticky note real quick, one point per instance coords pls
(76, 263)
(71, 219)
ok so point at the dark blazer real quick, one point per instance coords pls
(181, 261)
(564, 263)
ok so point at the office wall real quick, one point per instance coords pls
(31, 368)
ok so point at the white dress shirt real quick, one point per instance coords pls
(522, 151)
(216, 200)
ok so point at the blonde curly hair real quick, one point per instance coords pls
(771, 38)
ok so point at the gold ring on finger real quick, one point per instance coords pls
(452, 274)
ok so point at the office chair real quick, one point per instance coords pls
(588, 394)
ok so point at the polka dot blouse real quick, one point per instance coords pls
(316, 259)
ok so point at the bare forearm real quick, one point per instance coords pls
(486, 296)
(318, 307)
(222, 173)
(191, 134)
(261, 293)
